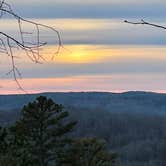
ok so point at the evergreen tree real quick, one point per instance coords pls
(8, 150)
(3, 145)
(42, 131)
(89, 152)
(3, 140)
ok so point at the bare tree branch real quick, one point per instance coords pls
(32, 49)
(142, 22)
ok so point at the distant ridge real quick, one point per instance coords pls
(127, 101)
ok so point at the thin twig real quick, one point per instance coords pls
(32, 50)
(142, 22)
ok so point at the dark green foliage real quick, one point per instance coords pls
(3, 145)
(3, 140)
(9, 153)
(42, 129)
(89, 152)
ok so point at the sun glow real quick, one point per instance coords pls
(78, 54)
(90, 54)
(73, 54)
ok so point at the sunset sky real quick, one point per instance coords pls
(101, 52)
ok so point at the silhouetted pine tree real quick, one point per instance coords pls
(42, 131)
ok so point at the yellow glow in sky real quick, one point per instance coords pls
(83, 54)
(98, 54)
(80, 54)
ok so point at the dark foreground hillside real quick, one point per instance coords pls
(133, 123)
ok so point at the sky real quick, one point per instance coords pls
(91, 9)
(100, 52)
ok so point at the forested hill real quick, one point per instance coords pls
(132, 124)
(128, 101)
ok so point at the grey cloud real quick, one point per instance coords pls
(92, 10)
(54, 2)
(108, 32)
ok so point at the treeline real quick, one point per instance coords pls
(41, 136)
(138, 138)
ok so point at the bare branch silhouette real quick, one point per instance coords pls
(32, 49)
(142, 22)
